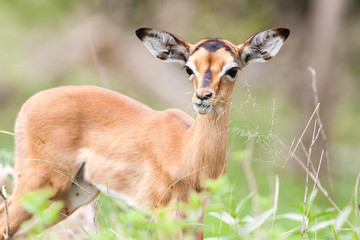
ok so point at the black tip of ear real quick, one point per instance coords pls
(141, 33)
(283, 32)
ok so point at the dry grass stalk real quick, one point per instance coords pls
(315, 136)
(317, 182)
(323, 135)
(307, 155)
(276, 198)
(317, 178)
(356, 207)
(284, 235)
(4, 197)
(303, 225)
(310, 173)
(291, 154)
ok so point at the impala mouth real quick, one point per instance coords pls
(202, 107)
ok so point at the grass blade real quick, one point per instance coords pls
(257, 222)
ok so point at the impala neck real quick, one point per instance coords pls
(206, 148)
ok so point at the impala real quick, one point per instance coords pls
(111, 143)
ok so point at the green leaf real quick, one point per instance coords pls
(321, 225)
(195, 201)
(37, 201)
(341, 218)
(332, 227)
(242, 203)
(291, 216)
(216, 185)
(225, 217)
(256, 223)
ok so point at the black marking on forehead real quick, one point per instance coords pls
(212, 45)
(207, 78)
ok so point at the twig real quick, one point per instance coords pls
(323, 135)
(7, 219)
(317, 178)
(302, 135)
(313, 140)
(282, 236)
(307, 155)
(324, 192)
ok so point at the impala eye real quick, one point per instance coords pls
(189, 71)
(232, 72)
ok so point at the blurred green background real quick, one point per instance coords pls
(46, 43)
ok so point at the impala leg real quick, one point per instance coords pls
(200, 234)
(27, 182)
(79, 193)
(17, 215)
(195, 232)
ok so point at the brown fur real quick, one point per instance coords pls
(105, 138)
(141, 164)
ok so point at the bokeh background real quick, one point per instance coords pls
(45, 44)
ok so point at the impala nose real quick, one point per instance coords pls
(205, 96)
(202, 101)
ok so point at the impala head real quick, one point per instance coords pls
(213, 64)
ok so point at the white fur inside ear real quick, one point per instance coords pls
(261, 47)
(163, 46)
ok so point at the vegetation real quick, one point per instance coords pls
(262, 195)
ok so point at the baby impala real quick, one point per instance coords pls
(105, 141)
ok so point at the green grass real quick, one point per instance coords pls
(226, 216)
(258, 112)
(230, 212)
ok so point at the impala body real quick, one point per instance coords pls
(109, 142)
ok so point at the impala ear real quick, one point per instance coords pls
(262, 46)
(164, 45)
